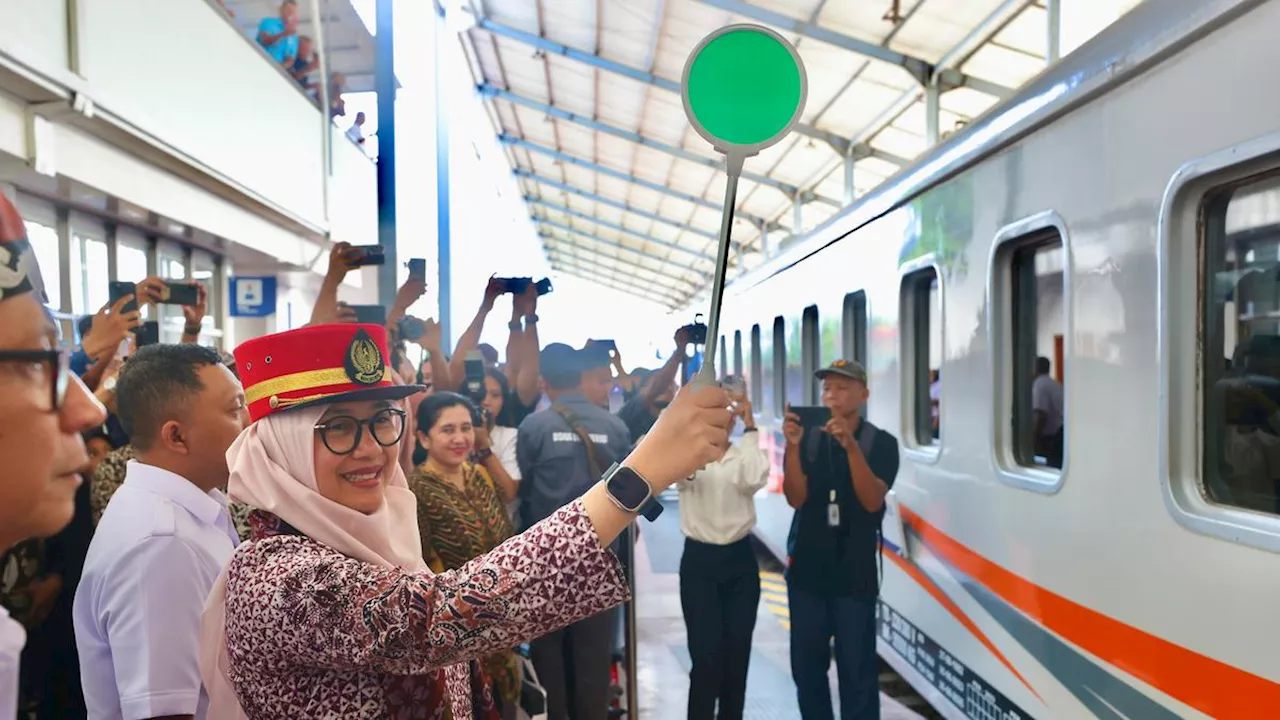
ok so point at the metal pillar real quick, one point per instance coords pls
(932, 112)
(797, 214)
(764, 242)
(848, 180)
(385, 84)
(1053, 21)
(443, 238)
(326, 123)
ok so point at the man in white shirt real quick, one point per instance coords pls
(165, 536)
(44, 408)
(1046, 403)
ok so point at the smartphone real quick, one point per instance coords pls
(368, 255)
(371, 314)
(410, 328)
(181, 294)
(544, 286)
(148, 333)
(117, 290)
(417, 268)
(812, 415)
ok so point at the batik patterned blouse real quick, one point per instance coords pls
(458, 524)
(312, 633)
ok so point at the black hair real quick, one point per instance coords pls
(1042, 365)
(560, 366)
(434, 404)
(83, 325)
(155, 383)
(503, 383)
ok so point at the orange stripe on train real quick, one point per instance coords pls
(1208, 685)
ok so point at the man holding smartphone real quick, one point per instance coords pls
(836, 476)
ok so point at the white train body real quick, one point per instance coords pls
(1117, 588)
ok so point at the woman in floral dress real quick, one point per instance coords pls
(330, 611)
(459, 513)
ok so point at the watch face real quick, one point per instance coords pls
(628, 488)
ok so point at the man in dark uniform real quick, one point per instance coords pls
(563, 451)
(836, 477)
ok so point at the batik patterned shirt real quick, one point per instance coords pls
(313, 633)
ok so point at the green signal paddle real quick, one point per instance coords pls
(744, 88)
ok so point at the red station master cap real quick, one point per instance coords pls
(314, 365)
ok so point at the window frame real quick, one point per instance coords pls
(810, 349)
(908, 341)
(778, 402)
(737, 353)
(855, 326)
(1180, 406)
(757, 372)
(1030, 231)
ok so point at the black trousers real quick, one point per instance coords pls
(719, 594)
(573, 667)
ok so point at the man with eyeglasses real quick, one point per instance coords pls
(165, 536)
(44, 409)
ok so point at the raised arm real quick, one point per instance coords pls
(470, 338)
(795, 483)
(326, 309)
(393, 621)
(526, 380)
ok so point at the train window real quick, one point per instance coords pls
(766, 372)
(809, 355)
(737, 353)
(1033, 266)
(831, 341)
(922, 321)
(722, 359)
(779, 366)
(754, 363)
(854, 341)
(1241, 358)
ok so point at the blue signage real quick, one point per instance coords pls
(253, 296)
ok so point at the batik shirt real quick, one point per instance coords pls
(313, 633)
(460, 524)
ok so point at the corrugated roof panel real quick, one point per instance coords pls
(862, 103)
(808, 157)
(1026, 33)
(938, 25)
(863, 20)
(837, 66)
(520, 66)
(967, 102)
(1007, 67)
(900, 142)
(572, 22)
(630, 29)
(663, 118)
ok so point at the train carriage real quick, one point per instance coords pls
(1119, 215)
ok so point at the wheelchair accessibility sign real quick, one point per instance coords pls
(253, 296)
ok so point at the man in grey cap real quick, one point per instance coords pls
(562, 451)
(836, 477)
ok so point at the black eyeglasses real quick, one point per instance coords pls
(342, 434)
(54, 369)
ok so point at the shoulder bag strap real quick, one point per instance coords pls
(593, 462)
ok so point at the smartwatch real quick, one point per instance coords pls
(630, 492)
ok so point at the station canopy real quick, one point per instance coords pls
(586, 96)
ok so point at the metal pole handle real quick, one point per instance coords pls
(707, 373)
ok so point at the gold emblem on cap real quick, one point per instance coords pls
(364, 363)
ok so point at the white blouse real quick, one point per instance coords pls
(503, 444)
(717, 505)
(12, 638)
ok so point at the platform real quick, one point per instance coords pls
(663, 662)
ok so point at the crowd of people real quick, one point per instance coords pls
(321, 525)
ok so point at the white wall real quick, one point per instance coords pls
(183, 74)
